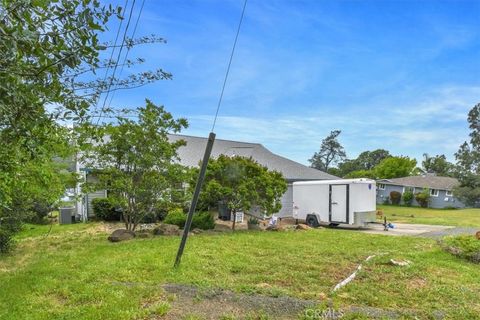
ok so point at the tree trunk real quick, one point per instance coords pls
(234, 219)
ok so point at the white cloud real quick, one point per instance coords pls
(435, 125)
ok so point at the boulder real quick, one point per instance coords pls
(254, 226)
(222, 227)
(166, 230)
(143, 235)
(302, 226)
(273, 227)
(121, 235)
(196, 231)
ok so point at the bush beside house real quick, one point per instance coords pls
(408, 198)
(423, 198)
(395, 197)
(105, 209)
(201, 220)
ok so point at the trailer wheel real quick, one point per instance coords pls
(312, 221)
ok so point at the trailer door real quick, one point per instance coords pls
(339, 203)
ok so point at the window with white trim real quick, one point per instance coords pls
(434, 192)
(449, 193)
(381, 186)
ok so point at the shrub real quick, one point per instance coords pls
(6, 240)
(464, 246)
(40, 210)
(423, 198)
(176, 217)
(253, 220)
(201, 220)
(395, 197)
(408, 198)
(105, 209)
(8, 227)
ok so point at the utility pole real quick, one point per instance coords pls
(196, 194)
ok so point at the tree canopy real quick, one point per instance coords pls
(468, 162)
(242, 183)
(437, 164)
(135, 161)
(49, 75)
(331, 152)
(395, 167)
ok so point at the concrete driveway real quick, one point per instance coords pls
(420, 230)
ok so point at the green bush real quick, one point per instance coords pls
(104, 209)
(395, 197)
(423, 198)
(176, 217)
(6, 240)
(9, 225)
(40, 209)
(201, 220)
(408, 198)
(464, 246)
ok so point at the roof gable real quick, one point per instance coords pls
(191, 154)
(425, 181)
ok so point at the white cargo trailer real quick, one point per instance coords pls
(334, 202)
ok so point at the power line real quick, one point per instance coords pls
(117, 60)
(229, 64)
(114, 48)
(126, 54)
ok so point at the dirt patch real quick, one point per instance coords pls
(416, 283)
(178, 301)
(218, 303)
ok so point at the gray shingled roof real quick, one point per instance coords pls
(425, 181)
(191, 154)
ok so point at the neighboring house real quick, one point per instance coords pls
(191, 154)
(440, 189)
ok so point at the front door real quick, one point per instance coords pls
(339, 203)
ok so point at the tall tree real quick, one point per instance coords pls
(362, 166)
(242, 183)
(50, 54)
(136, 161)
(331, 152)
(437, 164)
(50, 72)
(395, 167)
(367, 160)
(468, 162)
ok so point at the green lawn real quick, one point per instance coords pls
(75, 273)
(458, 217)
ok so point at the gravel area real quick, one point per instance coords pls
(450, 232)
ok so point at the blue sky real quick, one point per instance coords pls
(398, 75)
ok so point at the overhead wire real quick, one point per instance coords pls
(113, 49)
(112, 77)
(128, 50)
(229, 65)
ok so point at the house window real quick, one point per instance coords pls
(449, 193)
(434, 192)
(408, 189)
(381, 186)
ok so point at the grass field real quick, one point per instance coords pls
(457, 217)
(74, 273)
